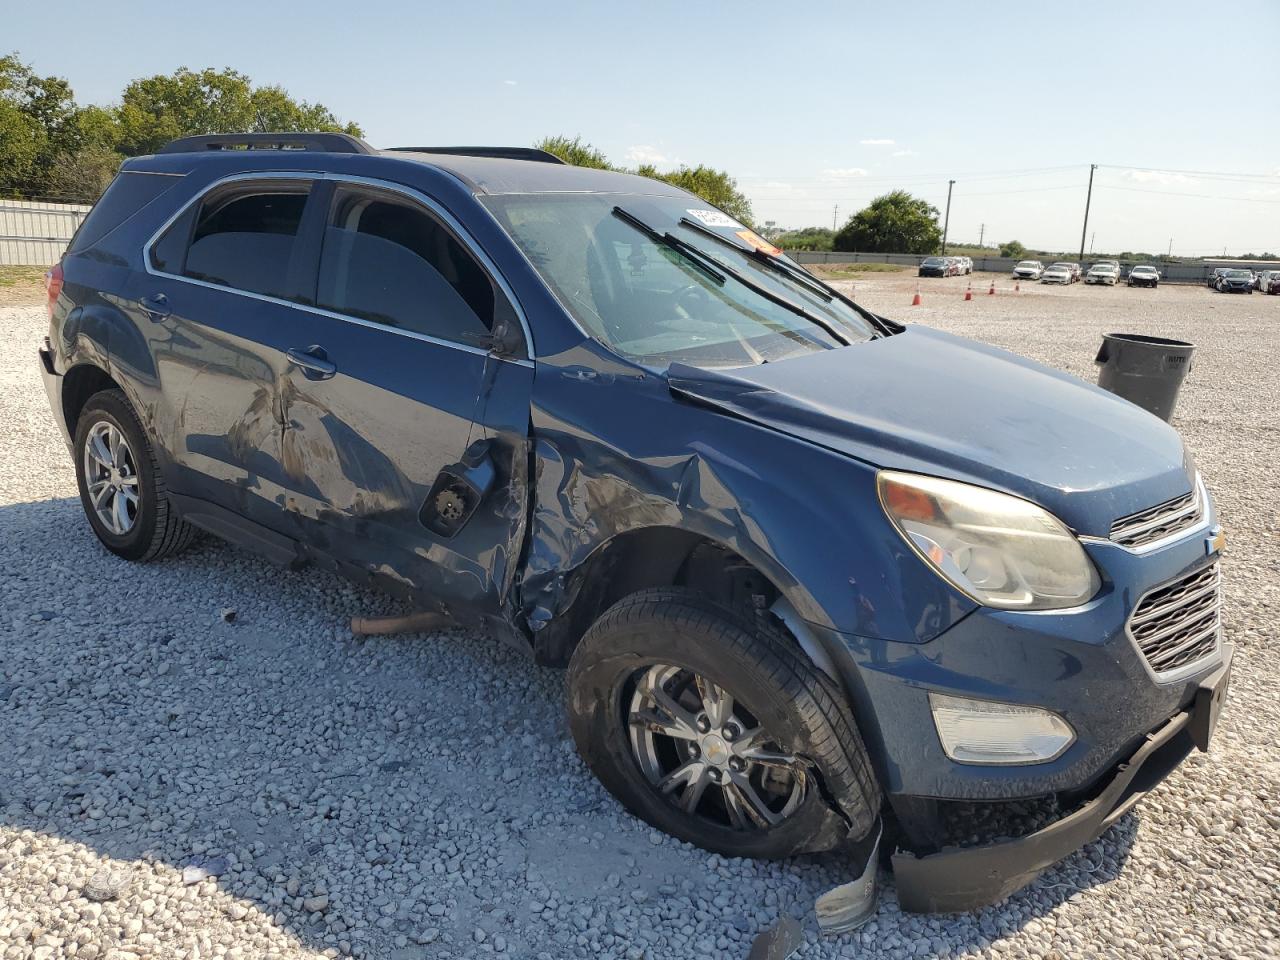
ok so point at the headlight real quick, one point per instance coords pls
(1000, 550)
(981, 731)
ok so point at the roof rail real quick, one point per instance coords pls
(319, 142)
(501, 153)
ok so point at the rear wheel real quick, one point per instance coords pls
(121, 487)
(714, 729)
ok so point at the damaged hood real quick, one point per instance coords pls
(934, 403)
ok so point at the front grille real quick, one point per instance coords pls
(1178, 624)
(1156, 523)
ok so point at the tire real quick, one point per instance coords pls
(773, 686)
(151, 529)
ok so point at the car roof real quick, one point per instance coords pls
(498, 175)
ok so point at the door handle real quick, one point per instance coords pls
(155, 306)
(313, 362)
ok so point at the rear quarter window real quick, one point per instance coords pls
(128, 193)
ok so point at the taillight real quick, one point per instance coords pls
(53, 285)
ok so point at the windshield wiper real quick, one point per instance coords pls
(806, 280)
(705, 261)
(692, 254)
(801, 276)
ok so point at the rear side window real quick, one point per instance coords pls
(128, 193)
(243, 238)
(390, 261)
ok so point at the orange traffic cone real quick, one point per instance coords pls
(992, 291)
(968, 292)
(915, 301)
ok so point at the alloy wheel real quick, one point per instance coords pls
(708, 754)
(111, 478)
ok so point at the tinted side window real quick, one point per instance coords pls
(390, 261)
(128, 193)
(245, 239)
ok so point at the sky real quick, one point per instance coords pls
(810, 107)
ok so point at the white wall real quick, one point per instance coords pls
(34, 233)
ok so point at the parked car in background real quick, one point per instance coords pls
(1269, 281)
(1236, 281)
(934, 267)
(967, 264)
(1057, 273)
(799, 581)
(1076, 272)
(1144, 275)
(1214, 277)
(1028, 270)
(1110, 263)
(1105, 272)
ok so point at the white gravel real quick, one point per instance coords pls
(177, 785)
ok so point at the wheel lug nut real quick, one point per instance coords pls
(715, 774)
(729, 732)
(736, 764)
(704, 725)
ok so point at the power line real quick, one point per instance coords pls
(1179, 193)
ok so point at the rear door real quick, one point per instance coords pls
(411, 434)
(216, 303)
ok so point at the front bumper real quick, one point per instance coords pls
(956, 880)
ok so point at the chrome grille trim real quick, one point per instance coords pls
(1161, 522)
(1177, 627)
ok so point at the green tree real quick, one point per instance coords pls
(155, 110)
(1012, 249)
(894, 223)
(575, 151)
(808, 238)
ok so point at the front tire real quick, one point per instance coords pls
(121, 488)
(714, 728)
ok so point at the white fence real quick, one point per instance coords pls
(35, 234)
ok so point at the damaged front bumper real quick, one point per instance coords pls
(955, 880)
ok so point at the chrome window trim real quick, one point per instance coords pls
(1179, 674)
(417, 196)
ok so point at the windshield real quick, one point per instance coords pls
(1239, 274)
(935, 262)
(622, 265)
(1143, 270)
(1029, 263)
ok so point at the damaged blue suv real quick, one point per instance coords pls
(812, 573)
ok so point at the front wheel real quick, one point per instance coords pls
(714, 728)
(121, 487)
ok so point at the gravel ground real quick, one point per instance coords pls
(181, 786)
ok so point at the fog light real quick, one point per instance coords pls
(981, 731)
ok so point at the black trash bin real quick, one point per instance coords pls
(1144, 370)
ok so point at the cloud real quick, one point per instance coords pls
(1156, 176)
(642, 153)
(876, 143)
(844, 173)
(510, 83)
(904, 153)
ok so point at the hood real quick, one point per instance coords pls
(934, 403)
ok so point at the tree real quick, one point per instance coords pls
(894, 223)
(575, 151)
(155, 110)
(808, 238)
(1012, 249)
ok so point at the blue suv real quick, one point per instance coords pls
(814, 574)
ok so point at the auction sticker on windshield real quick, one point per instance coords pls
(714, 218)
(759, 242)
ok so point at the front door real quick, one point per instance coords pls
(392, 395)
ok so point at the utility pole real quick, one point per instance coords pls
(1084, 231)
(981, 232)
(1169, 255)
(1093, 236)
(947, 221)
(835, 212)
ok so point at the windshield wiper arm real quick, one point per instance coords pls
(705, 261)
(692, 254)
(801, 275)
(805, 279)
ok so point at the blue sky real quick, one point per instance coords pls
(808, 105)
